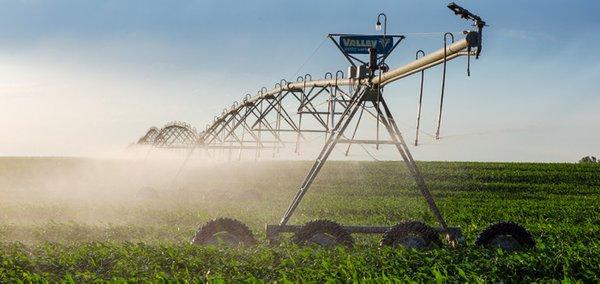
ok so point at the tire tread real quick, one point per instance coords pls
(229, 225)
(407, 227)
(513, 229)
(323, 226)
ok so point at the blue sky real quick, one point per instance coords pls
(88, 77)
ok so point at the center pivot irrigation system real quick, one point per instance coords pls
(328, 107)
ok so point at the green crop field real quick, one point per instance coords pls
(84, 220)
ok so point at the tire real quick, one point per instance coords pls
(324, 233)
(411, 234)
(509, 236)
(224, 231)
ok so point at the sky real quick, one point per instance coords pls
(86, 78)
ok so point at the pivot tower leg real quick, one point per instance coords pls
(386, 118)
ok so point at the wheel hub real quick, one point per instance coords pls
(411, 241)
(224, 238)
(322, 239)
(505, 242)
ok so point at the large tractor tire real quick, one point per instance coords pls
(509, 236)
(224, 231)
(323, 233)
(411, 234)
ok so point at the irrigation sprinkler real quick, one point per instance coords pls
(265, 122)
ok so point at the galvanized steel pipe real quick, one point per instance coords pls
(435, 58)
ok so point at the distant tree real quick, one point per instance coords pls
(589, 160)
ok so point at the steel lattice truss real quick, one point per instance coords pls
(286, 115)
(149, 137)
(173, 135)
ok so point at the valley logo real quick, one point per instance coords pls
(359, 44)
